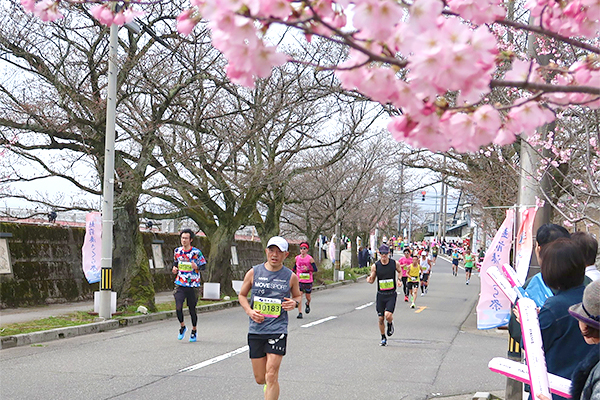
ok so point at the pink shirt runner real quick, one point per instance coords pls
(404, 261)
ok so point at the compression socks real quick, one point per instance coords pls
(422, 288)
(382, 336)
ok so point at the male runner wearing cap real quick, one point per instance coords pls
(304, 267)
(271, 284)
(385, 271)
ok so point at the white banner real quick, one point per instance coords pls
(92, 246)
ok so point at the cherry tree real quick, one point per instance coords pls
(435, 62)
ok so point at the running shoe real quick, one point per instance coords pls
(182, 331)
(307, 309)
(383, 342)
(299, 316)
(192, 336)
(265, 388)
(412, 305)
(467, 282)
(406, 299)
(426, 289)
(423, 294)
(390, 329)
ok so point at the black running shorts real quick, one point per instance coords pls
(425, 277)
(386, 302)
(260, 345)
(306, 287)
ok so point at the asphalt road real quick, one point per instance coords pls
(436, 351)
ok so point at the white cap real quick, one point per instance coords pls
(424, 253)
(279, 242)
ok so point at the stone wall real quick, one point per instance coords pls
(46, 263)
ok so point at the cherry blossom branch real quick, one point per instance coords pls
(551, 34)
(544, 87)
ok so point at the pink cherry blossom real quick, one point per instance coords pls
(28, 5)
(103, 14)
(186, 21)
(47, 10)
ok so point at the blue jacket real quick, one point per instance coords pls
(563, 343)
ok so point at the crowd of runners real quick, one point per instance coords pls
(270, 291)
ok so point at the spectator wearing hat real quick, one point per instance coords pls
(586, 378)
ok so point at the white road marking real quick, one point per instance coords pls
(319, 322)
(215, 359)
(364, 306)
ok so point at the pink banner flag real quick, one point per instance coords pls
(493, 309)
(524, 244)
(90, 251)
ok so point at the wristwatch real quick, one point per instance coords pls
(297, 303)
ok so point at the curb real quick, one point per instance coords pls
(27, 339)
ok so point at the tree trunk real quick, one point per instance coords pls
(131, 272)
(353, 250)
(219, 258)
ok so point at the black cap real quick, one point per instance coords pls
(384, 249)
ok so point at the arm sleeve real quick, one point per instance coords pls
(314, 266)
(175, 263)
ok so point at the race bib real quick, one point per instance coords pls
(270, 308)
(414, 278)
(386, 284)
(305, 276)
(185, 266)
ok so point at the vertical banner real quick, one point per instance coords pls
(493, 309)
(90, 251)
(524, 245)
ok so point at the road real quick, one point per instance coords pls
(333, 353)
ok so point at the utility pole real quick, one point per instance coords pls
(109, 180)
(410, 220)
(400, 201)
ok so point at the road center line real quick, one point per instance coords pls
(364, 306)
(320, 321)
(215, 359)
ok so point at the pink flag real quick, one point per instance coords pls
(90, 252)
(524, 244)
(493, 309)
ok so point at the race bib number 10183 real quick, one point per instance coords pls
(270, 308)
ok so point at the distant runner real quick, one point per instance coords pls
(385, 271)
(455, 258)
(469, 260)
(414, 272)
(425, 272)
(304, 268)
(405, 265)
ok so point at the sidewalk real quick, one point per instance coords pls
(26, 314)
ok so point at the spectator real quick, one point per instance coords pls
(563, 270)
(589, 248)
(52, 216)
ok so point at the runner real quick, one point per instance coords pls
(405, 265)
(455, 258)
(385, 272)
(425, 272)
(469, 259)
(304, 268)
(187, 263)
(270, 284)
(414, 272)
(434, 254)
